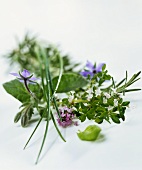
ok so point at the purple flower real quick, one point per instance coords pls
(25, 76)
(67, 117)
(91, 69)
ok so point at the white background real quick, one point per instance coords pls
(107, 31)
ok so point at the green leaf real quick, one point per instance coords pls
(82, 117)
(90, 133)
(126, 103)
(24, 120)
(36, 89)
(115, 118)
(91, 113)
(104, 67)
(98, 120)
(17, 117)
(17, 90)
(69, 81)
(26, 116)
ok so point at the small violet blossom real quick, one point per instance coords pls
(67, 117)
(91, 69)
(25, 76)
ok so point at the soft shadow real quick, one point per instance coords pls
(101, 138)
(37, 140)
(33, 121)
(49, 147)
(33, 143)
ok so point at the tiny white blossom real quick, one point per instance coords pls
(107, 95)
(70, 99)
(115, 102)
(89, 91)
(110, 108)
(113, 91)
(89, 97)
(104, 100)
(98, 92)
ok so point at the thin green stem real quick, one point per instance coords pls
(33, 132)
(57, 127)
(49, 80)
(45, 134)
(60, 75)
(48, 105)
(41, 70)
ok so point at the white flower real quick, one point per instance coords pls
(70, 99)
(110, 108)
(115, 102)
(113, 91)
(89, 96)
(98, 92)
(89, 91)
(107, 95)
(104, 100)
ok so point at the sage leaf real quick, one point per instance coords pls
(17, 117)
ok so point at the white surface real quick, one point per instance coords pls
(103, 31)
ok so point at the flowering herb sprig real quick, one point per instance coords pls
(86, 95)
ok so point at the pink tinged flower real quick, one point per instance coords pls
(67, 117)
(25, 76)
(91, 69)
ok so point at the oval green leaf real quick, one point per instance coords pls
(69, 82)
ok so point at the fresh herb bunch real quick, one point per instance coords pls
(86, 96)
(24, 55)
(95, 103)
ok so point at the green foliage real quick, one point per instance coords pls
(17, 117)
(17, 90)
(25, 56)
(106, 105)
(26, 116)
(88, 101)
(69, 82)
(90, 133)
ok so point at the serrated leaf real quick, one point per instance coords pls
(69, 82)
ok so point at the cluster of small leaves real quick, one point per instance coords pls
(25, 56)
(101, 77)
(98, 104)
(101, 108)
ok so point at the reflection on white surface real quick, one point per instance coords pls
(103, 31)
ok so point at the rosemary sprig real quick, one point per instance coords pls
(132, 80)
